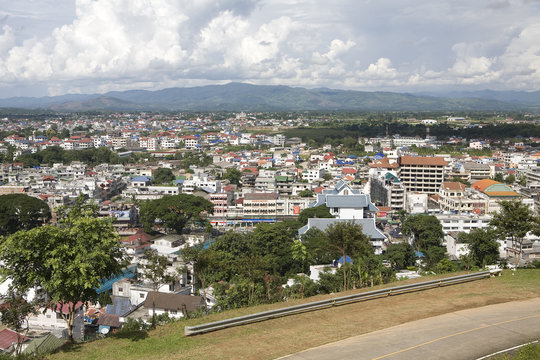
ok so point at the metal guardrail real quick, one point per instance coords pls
(322, 304)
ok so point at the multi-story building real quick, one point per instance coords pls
(387, 190)
(476, 171)
(422, 174)
(454, 197)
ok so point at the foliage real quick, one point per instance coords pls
(174, 212)
(104, 298)
(514, 220)
(305, 193)
(400, 255)
(15, 311)
(201, 260)
(155, 271)
(510, 179)
(426, 231)
(55, 154)
(68, 261)
(233, 175)
(22, 212)
(321, 211)
(317, 246)
(483, 246)
(163, 176)
(347, 239)
(434, 255)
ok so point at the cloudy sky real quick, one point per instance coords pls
(52, 47)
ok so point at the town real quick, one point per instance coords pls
(215, 211)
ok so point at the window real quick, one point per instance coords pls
(120, 289)
(141, 295)
(173, 312)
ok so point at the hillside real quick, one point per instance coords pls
(282, 336)
(246, 97)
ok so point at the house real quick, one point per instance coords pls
(176, 305)
(9, 340)
(50, 318)
(345, 202)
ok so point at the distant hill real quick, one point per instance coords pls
(237, 96)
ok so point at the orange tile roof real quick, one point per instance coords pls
(482, 185)
(423, 160)
(502, 193)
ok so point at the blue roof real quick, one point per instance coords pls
(119, 307)
(107, 284)
(141, 178)
(347, 260)
(418, 253)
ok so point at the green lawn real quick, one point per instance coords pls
(282, 336)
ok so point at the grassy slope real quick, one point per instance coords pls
(278, 337)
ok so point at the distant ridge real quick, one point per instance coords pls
(239, 96)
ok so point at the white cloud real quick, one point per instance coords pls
(393, 45)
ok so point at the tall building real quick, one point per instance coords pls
(421, 173)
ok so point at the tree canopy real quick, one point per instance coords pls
(174, 212)
(401, 255)
(22, 212)
(68, 261)
(426, 231)
(163, 176)
(233, 175)
(514, 220)
(321, 211)
(483, 246)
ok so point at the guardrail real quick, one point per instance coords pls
(322, 304)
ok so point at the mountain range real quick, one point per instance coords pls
(246, 97)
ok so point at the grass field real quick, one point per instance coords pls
(286, 335)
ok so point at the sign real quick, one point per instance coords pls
(296, 210)
(381, 214)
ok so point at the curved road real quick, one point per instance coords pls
(465, 334)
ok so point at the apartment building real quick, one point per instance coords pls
(422, 174)
(387, 190)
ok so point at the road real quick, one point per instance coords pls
(465, 334)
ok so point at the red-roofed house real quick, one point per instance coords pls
(9, 340)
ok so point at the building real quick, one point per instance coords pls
(387, 190)
(346, 203)
(422, 174)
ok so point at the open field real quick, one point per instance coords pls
(278, 337)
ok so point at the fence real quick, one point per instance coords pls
(322, 304)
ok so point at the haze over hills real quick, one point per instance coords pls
(238, 96)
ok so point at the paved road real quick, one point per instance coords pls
(466, 334)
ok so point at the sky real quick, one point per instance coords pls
(54, 47)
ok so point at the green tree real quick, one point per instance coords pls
(513, 221)
(321, 211)
(348, 239)
(201, 260)
(327, 176)
(15, 311)
(510, 179)
(163, 176)
(305, 193)
(155, 271)
(483, 246)
(401, 255)
(68, 261)
(426, 231)
(499, 177)
(174, 212)
(233, 175)
(22, 212)
(318, 247)
(522, 180)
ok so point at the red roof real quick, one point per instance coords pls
(423, 160)
(8, 337)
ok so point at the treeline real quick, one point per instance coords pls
(56, 154)
(373, 129)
